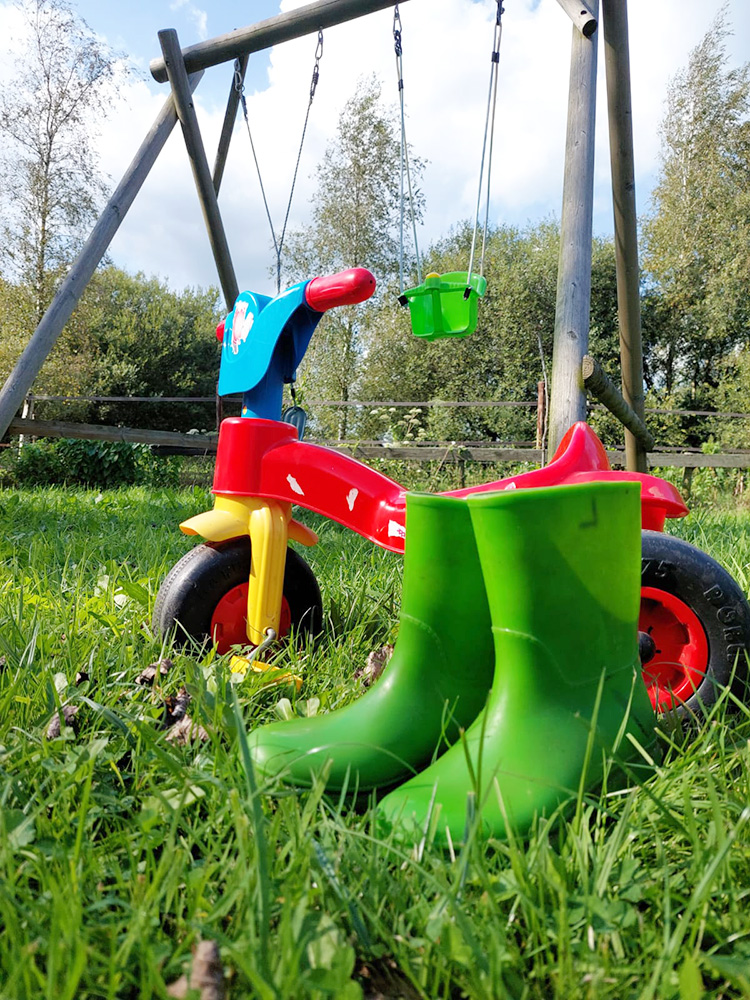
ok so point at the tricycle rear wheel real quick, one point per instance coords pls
(699, 621)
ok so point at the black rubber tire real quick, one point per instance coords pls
(194, 586)
(673, 565)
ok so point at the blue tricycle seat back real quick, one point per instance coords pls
(263, 332)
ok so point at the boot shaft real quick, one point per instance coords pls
(442, 581)
(561, 566)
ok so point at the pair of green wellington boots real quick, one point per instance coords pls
(515, 675)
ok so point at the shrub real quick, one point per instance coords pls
(35, 465)
(102, 464)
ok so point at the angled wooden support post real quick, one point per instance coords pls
(567, 397)
(235, 94)
(617, 64)
(178, 80)
(238, 79)
(66, 298)
(597, 382)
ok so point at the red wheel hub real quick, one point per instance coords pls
(681, 659)
(229, 620)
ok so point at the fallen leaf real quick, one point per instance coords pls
(283, 708)
(148, 675)
(206, 975)
(65, 717)
(376, 664)
(185, 731)
(175, 707)
(383, 980)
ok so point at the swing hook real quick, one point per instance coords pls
(239, 84)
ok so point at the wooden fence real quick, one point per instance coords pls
(445, 453)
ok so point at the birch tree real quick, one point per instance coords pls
(52, 186)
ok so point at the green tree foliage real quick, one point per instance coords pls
(48, 112)
(697, 236)
(354, 223)
(130, 336)
(733, 396)
(153, 342)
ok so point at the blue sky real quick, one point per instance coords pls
(446, 66)
(136, 33)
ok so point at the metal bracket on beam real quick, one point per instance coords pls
(581, 16)
(596, 381)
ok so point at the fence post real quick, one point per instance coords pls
(27, 413)
(541, 414)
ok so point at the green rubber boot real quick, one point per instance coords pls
(562, 571)
(437, 680)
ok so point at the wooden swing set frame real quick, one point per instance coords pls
(183, 68)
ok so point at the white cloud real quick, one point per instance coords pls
(196, 15)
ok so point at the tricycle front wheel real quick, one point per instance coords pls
(204, 596)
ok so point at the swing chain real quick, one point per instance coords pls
(240, 88)
(405, 179)
(487, 147)
(278, 242)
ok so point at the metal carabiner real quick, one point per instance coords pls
(316, 67)
(239, 84)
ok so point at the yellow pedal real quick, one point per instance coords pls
(273, 676)
(239, 665)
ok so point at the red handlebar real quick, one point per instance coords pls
(346, 288)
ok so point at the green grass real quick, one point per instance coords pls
(119, 850)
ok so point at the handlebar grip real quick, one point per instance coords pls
(346, 288)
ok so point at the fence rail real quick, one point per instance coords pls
(531, 404)
(447, 453)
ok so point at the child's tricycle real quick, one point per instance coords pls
(245, 586)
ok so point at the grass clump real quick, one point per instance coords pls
(121, 849)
